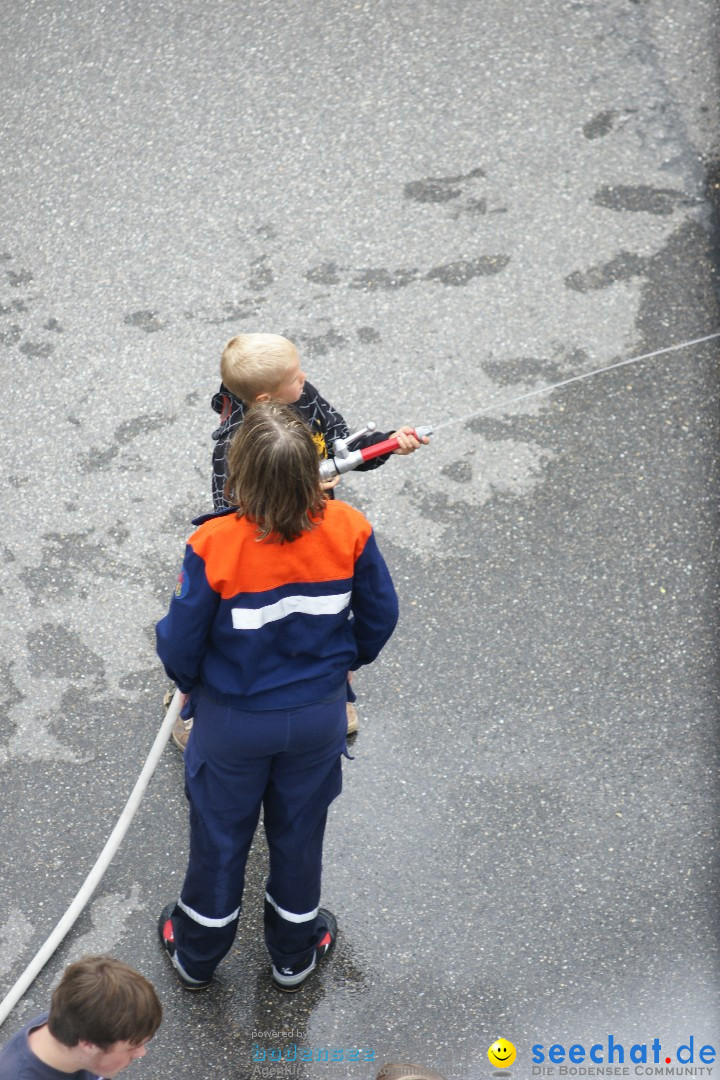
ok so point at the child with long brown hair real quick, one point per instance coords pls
(279, 599)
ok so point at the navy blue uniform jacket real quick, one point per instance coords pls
(264, 625)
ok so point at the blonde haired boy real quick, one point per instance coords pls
(266, 367)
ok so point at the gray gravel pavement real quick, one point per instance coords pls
(445, 205)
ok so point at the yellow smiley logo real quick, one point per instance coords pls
(501, 1053)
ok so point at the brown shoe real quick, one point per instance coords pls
(181, 728)
(181, 732)
(352, 718)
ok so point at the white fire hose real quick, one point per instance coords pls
(93, 879)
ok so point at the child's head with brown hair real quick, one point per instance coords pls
(102, 1001)
(262, 367)
(273, 474)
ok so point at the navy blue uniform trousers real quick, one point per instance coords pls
(289, 763)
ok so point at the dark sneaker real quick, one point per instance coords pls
(290, 979)
(167, 940)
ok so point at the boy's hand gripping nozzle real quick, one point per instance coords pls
(345, 460)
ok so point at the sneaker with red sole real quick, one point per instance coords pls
(167, 940)
(290, 979)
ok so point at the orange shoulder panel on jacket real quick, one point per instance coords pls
(235, 561)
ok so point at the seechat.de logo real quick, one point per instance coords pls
(611, 1052)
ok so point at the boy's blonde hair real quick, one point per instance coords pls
(255, 364)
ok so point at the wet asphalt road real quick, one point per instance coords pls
(444, 206)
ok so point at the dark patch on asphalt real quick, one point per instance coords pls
(615, 551)
(323, 274)
(37, 350)
(235, 311)
(600, 125)
(261, 275)
(70, 560)
(476, 206)
(84, 711)
(527, 429)
(712, 190)
(641, 199)
(689, 310)
(11, 693)
(22, 277)
(368, 335)
(178, 520)
(11, 336)
(321, 344)
(521, 369)
(148, 321)
(449, 189)
(433, 191)
(576, 358)
(98, 459)
(454, 511)
(372, 279)
(57, 651)
(689, 306)
(53, 324)
(459, 471)
(15, 305)
(119, 533)
(141, 425)
(463, 271)
(624, 266)
(266, 232)
(161, 575)
(7, 554)
(453, 273)
(95, 460)
(439, 189)
(148, 679)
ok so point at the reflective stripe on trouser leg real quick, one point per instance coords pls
(301, 787)
(223, 819)
(291, 937)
